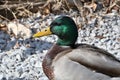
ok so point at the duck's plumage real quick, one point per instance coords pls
(69, 61)
(82, 63)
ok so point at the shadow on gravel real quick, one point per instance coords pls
(28, 46)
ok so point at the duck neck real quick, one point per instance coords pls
(67, 41)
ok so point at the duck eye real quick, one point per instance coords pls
(56, 24)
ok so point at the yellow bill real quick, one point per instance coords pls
(44, 32)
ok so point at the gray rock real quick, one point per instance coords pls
(1, 76)
(116, 28)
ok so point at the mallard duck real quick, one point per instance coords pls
(67, 60)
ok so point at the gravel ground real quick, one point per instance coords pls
(20, 59)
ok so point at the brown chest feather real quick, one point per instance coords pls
(47, 62)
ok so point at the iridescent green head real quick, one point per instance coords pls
(65, 28)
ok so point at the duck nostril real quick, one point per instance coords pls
(45, 30)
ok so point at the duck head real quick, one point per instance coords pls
(65, 28)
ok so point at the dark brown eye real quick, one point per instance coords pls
(56, 24)
(59, 24)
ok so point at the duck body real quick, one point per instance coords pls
(69, 61)
(85, 62)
